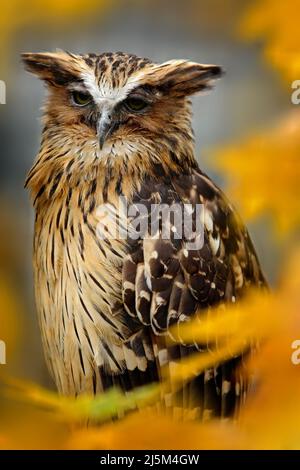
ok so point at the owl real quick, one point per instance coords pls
(117, 135)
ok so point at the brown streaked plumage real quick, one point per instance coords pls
(118, 125)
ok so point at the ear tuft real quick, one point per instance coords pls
(216, 71)
(183, 78)
(56, 68)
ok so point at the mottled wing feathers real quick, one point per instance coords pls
(164, 283)
(164, 280)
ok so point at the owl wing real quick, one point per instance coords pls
(167, 280)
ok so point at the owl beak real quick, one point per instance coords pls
(105, 128)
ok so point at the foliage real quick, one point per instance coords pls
(263, 173)
(277, 23)
(269, 419)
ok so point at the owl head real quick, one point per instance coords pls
(117, 101)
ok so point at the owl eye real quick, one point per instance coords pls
(135, 104)
(80, 98)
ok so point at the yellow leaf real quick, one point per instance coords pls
(263, 173)
(85, 407)
(278, 24)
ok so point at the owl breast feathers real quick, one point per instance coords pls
(117, 135)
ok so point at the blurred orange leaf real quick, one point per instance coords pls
(272, 412)
(278, 24)
(76, 409)
(263, 173)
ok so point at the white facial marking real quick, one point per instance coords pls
(103, 91)
(106, 97)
